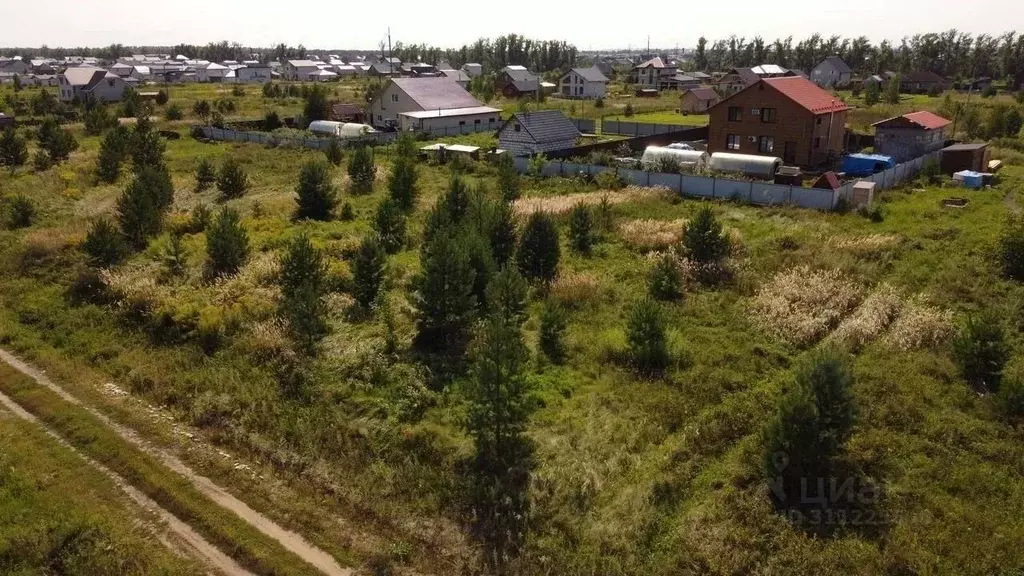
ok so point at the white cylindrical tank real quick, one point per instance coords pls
(749, 164)
(685, 158)
(326, 127)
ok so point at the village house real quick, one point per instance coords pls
(923, 83)
(300, 69)
(14, 66)
(385, 69)
(141, 73)
(832, 72)
(347, 112)
(473, 69)
(910, 136)
(121, 69)
(787, 117)
(87, 83)
(457, 76)
(517, 82)
(212, 72)
(44, 66)
(737, 79)
(583, 83)
(449, 104)
(698, 100)
(253, 74)
(531, 133)
(650, 73)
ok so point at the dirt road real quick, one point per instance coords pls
(290, 540)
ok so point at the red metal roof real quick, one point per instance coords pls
(807, 94)
(927, 120)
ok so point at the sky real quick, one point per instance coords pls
(589, 24)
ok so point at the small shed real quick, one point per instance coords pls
(827, 181)
(866, 164)
(960, 157)
(345, 112)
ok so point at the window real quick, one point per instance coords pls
(379, 118)
(766, 144)
(817, 142)
(394, 97)
(516, 126)
(768, 115)
(477, 121)
(732, 142)
(490, 120)
(819, 120)
(462, 122)
(735, 113)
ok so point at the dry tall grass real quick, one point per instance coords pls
(573, 290)
(920, 325)
(870, 245)
(801, 305)
(564, 204)
(646, 235)
(870, 319)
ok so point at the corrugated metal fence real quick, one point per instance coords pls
(463, 130)
(276, 140)
(638, 128)
(759, 193)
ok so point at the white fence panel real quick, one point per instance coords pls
(522, 164)
(638, 177)
(817, 198)
(570, 169)
(725, 188)
(594, 169)
(770, 194)
(672, 181)
(698, 186)
(551, 169)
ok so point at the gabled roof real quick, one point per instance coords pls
(747, 75)
(141, 69)
(457, 75)
(98, 77)
(655, 62)
(923, 76)
(591, 74)
(82, 75)
(838, 64)
(768, 70)
(545, 125)
(436, 92)
(520, 74)
(304, 63)
(345, 109)
(385, 68)
(703, 93)
(807, 94)
(215, 66)
(922, 119)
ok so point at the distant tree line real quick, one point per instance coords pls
(537, 55)
(952, 53)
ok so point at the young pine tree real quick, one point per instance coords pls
(872, 94)
(141, 207)
(333, 152)
(811, 426)
(981, 350)
(13, 150)
(445, 301)
(368, 270)
(147, 149)
(23, 212)
(553, 319)
(508, 179)
(706, 245)
(402, 183)
(113, 152)
(502, 234)
(389, 224)
(361, 170)
(481, 261)
(232, 181)
(892, 90)
(303, 286)
(581, 229)
(666, 280)
(175, 256)
(1011, 248)
(539, 251)
(104, 245)
(227, 244)
(645, 333)
(317, 107)
(317, 197)
(206, 174)
(60, 145)
(499, 411)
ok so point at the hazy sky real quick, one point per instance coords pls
(589, 24)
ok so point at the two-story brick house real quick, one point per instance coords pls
(788, 117)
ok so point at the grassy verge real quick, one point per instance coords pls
(56, 512)
(85, 432)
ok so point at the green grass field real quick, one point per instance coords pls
(634, 475)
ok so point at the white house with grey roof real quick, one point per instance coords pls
(531, 133)
(832, 72)
(583, 83)
(88, 83)
(439, 95)
(301, 69)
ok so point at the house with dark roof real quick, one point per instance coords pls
(737, 79)
(923, 83)
(517, 82)
(583, 83)
(532, 133)
(650, 73)
(88, 83)
(698, 100)
(832, 72)
(788, 117)
(403, 95)
(910, 136)
(385, 69)
(347, 112)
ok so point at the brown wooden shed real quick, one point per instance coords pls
(964, 157)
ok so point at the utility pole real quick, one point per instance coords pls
(391, 55)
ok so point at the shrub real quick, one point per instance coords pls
(174, 112)
(271, 120)
(703, 238)
(316, 196)
(217, 119)
(334, 152)
(389, 224)
(139, 213)
(1014, 122)
(97, 120)
(145, 145)
(200, 219)
(156, 180)
(581, 229)
(811, 426)
(316, 107)
(599, 103)
(502, 235)
(535, 167)
(13, 150)
(347, 213)
(202, 109)
(1012, 248)
(628, 112)
(666, 280)
(855, 90)
(989, 91)
(872, 94)
(538, 252)
(59, 145)
(931, 172)
(508, 179)
(232, 181)
(445, 301)
(645, 333)
(892, 90)
(206, 174)
(104, 245)
(981, 351)
(41, 162)
(236, 91)
(402, 183)
(935, 91)
(23, 212)
(368, 269)
(552, 328)
(1011, 397)
(113, 152)
(303, 284)
(361, 170)
(227, 244)
(610, 180)
(873, 212)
